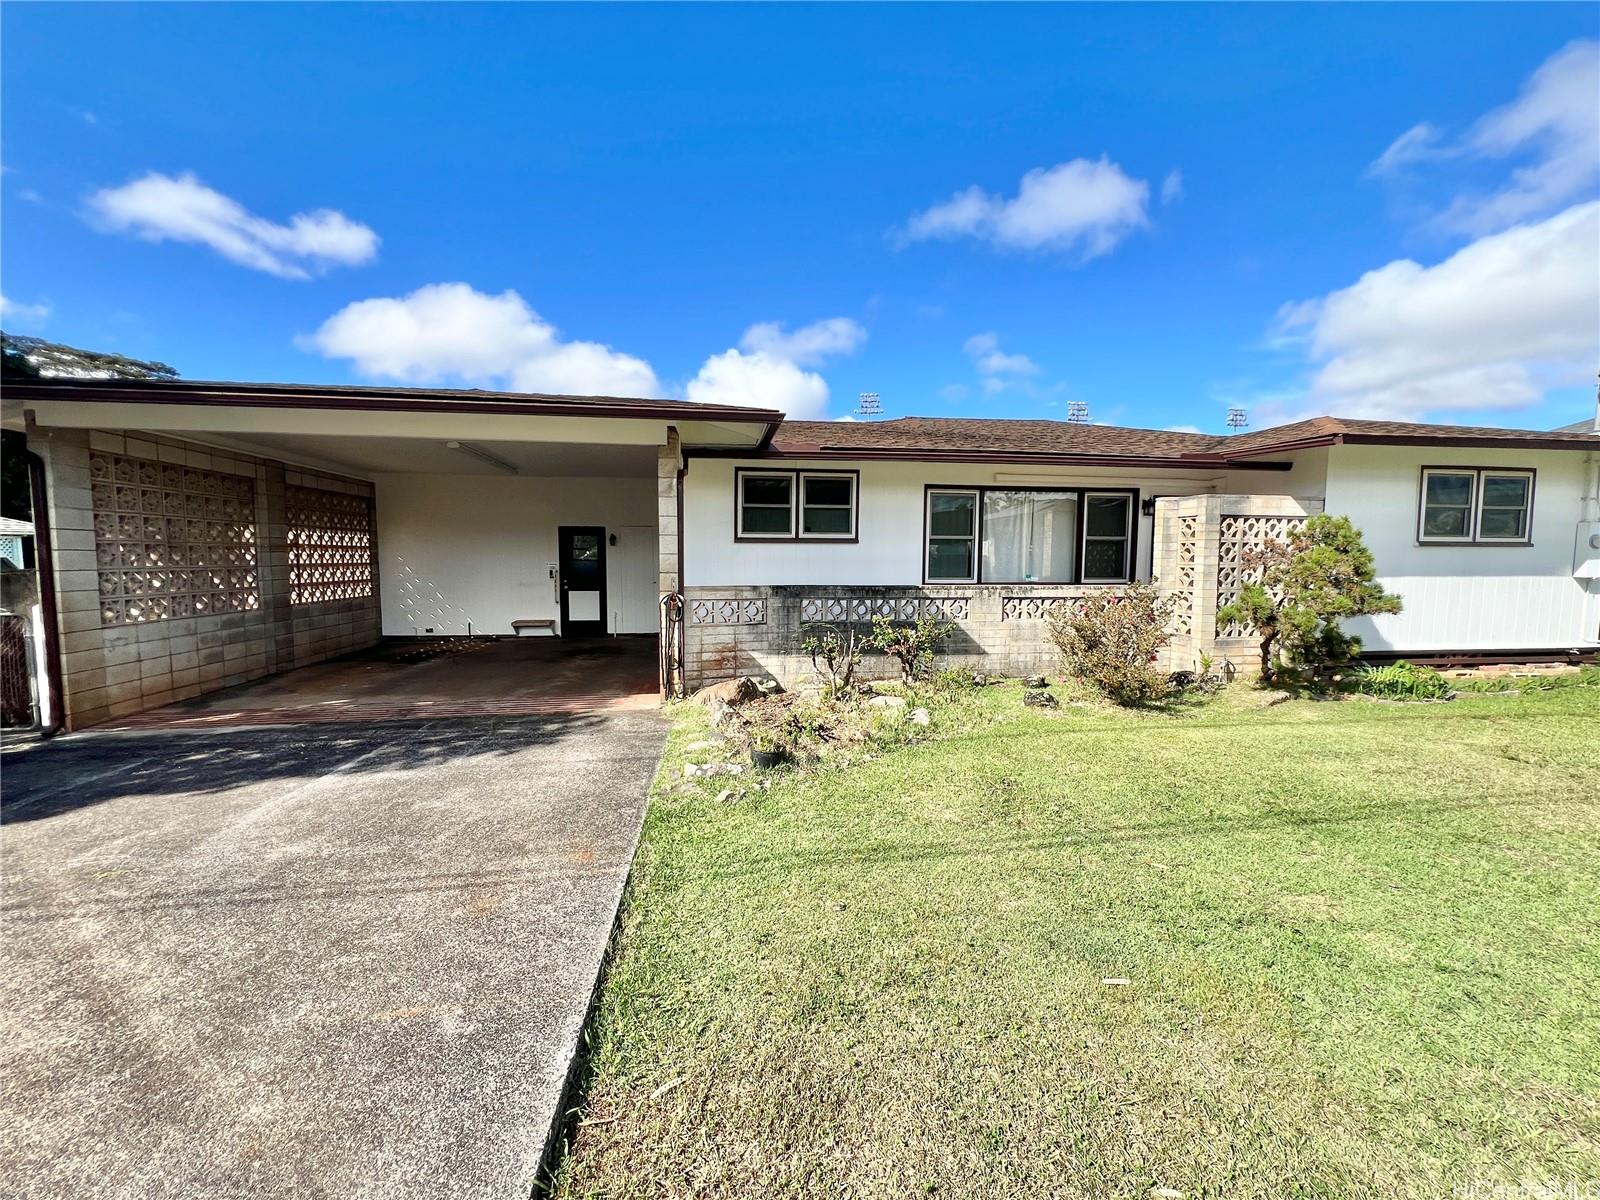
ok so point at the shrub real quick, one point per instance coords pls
(1110, 641)
(909, 645)
(952, 681)
(1304, 588)
(1402, 681)
(835, 654)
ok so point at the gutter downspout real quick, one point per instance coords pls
(44, 557)
(683, 636)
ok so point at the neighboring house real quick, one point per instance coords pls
(205, 534)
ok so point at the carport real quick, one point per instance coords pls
(207, 535)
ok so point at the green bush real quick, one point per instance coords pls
(1402, 681)
(952, 681)
(1300, 591)
(911, 645)
(1110, 641)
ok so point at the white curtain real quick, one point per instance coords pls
(1029, 537)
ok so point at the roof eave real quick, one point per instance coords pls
(378, 400)
(1008, 457)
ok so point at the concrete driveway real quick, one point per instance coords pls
(337, 960)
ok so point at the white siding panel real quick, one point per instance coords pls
(1467, 597)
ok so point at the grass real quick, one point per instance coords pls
(1359, 942)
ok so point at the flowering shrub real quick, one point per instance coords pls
(1111, 641)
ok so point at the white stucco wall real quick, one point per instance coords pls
(460, 549)
(890, 549)
(1467, 597)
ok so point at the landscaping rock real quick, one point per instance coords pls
(918, 716)
(730, 692)
(1040, 699)
(707, 770)
(721, 713)
(887, 702)
(1037, 681)
(768, 687)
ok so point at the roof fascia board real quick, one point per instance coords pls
(900, 454)
(498, 403)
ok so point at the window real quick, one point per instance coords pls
(1475, 504)
(827, 506)
(790, 505)
(1107, 530)
(1447, 505)
(952, 535)
(1503, 509)
(766, 504)
(1029, 535)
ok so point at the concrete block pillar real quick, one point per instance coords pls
(1200, 545)
(669, 458)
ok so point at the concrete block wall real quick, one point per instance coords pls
(1000, 629)
(114, 670)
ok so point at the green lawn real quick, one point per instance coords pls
(1360, 942)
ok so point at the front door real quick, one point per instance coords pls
(583, 580)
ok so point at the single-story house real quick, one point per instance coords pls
(204, 534)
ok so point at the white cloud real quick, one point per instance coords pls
(28, 314)
(1418, 144)
(760, 381)
(161, 208)
(768, 371)
(1552, 127)
(984, 350)
(1491, 327)
(1172, 187)
(1183, 429)
(809, 345)
(1083, 206)
(450, 331)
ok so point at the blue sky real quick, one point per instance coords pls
(974, 211)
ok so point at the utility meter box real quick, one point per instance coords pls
(1586, 554)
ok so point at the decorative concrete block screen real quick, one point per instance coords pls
(1200, 547)
(171, 540)
(1240, 534)
(330, 545)
(829, 610)
(1186, 556)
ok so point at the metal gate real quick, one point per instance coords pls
(16, 672)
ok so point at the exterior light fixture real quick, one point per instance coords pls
(482, 455)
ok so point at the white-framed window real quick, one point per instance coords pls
(765, 504)
(952, 535)
(1469, 505)
(828, 505)
(1505, 506)
(1107, 534)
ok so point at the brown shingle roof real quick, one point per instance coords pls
(910, 437)
(1348, 429)
(955, 434)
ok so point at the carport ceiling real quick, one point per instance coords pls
(422, 456)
